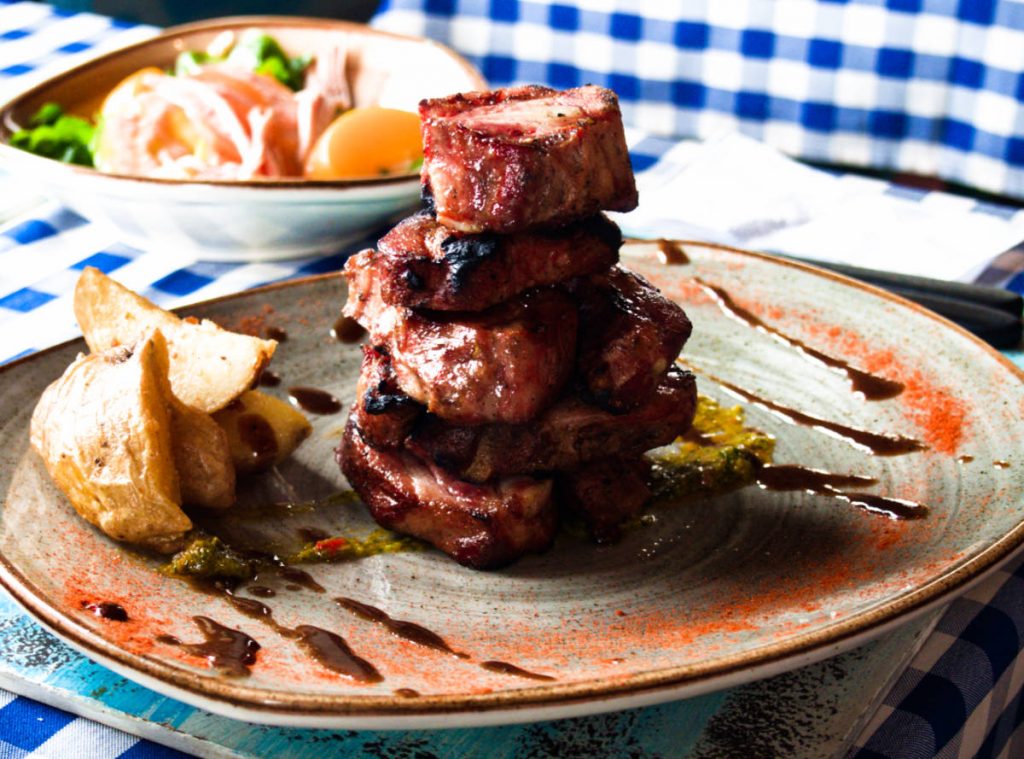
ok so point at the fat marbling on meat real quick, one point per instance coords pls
(424, 264)
(504, 364)
(523, 157)
(565, 436)
(481, 526)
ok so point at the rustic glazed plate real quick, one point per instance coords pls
(712, 593)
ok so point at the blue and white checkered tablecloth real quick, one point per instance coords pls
(696, 68)
(932, 87)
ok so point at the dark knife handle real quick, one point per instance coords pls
(996, 327)
(991, 297)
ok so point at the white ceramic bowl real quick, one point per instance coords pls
(252, 220)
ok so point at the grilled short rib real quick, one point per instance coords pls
(504, 364)
(606, 493)
(424, 264)
(630, 334)
(565, 436)
(385, 415)
(523, 157)
(480, 526)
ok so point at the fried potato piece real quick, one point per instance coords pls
(210, 366)
(202, 457)
(262, 430)
(104, 431)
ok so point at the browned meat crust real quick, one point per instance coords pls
(606, 493)
(424, 264)
(480, 526)
(524, 157)
(384, 413)
(504, 364)
(567, 435)
(630, 334)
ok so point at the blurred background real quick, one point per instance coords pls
(169, 12)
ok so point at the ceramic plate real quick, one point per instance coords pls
(712, 593)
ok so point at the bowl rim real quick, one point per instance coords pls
(224, 23)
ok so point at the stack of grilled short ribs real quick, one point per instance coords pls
(513, 368)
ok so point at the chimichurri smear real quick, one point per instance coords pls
(341, 548)
(719, 454)
(207, 556)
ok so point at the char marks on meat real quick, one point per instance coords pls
(423, 264)
(481, 526)
(505, 364)
(565, 436)
(525, 157)
(384, 413)
(630, 334)
(606, 493)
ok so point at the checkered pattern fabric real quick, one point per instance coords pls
(962, 695)
(686, 70)
(932, 87)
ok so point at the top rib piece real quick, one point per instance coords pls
(525, 157)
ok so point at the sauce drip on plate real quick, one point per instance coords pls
(408, 630)
(504, 668)
(106, 610)
(788, 477)
(314, 400)
(877, 443)
(871, 386)
(671, 253)
(232, 652)
(347, 330)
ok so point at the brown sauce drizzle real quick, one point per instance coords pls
(877, 443)
(301, 578)
(1001, 464)
(347, 330)
(333, 652)
(407, 693)
(504, 668)
(965, 459)
(871, 386)
(789, 477)
(671, 253)
(106, 610)
(408, 630)
(314, 400)
(312, 534)
(255, 432)
(792, 477)
(276, 333)
(232, 652)
(328, 648)
(270, 379)
(262, 591)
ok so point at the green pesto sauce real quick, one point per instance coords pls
(720, 454)
(207, 556)
(347, 548)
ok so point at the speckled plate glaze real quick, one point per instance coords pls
(713, 593)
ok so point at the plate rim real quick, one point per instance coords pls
(654, 686)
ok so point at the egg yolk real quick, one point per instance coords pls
(367, 142)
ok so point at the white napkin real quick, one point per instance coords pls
(736, 191)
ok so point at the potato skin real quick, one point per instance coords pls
(104, 431)
(202, 457)
(208, 366)
(262, 430)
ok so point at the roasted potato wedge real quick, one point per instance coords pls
(202, 457)
(104, 431)
(262, 430)
(210, 366)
